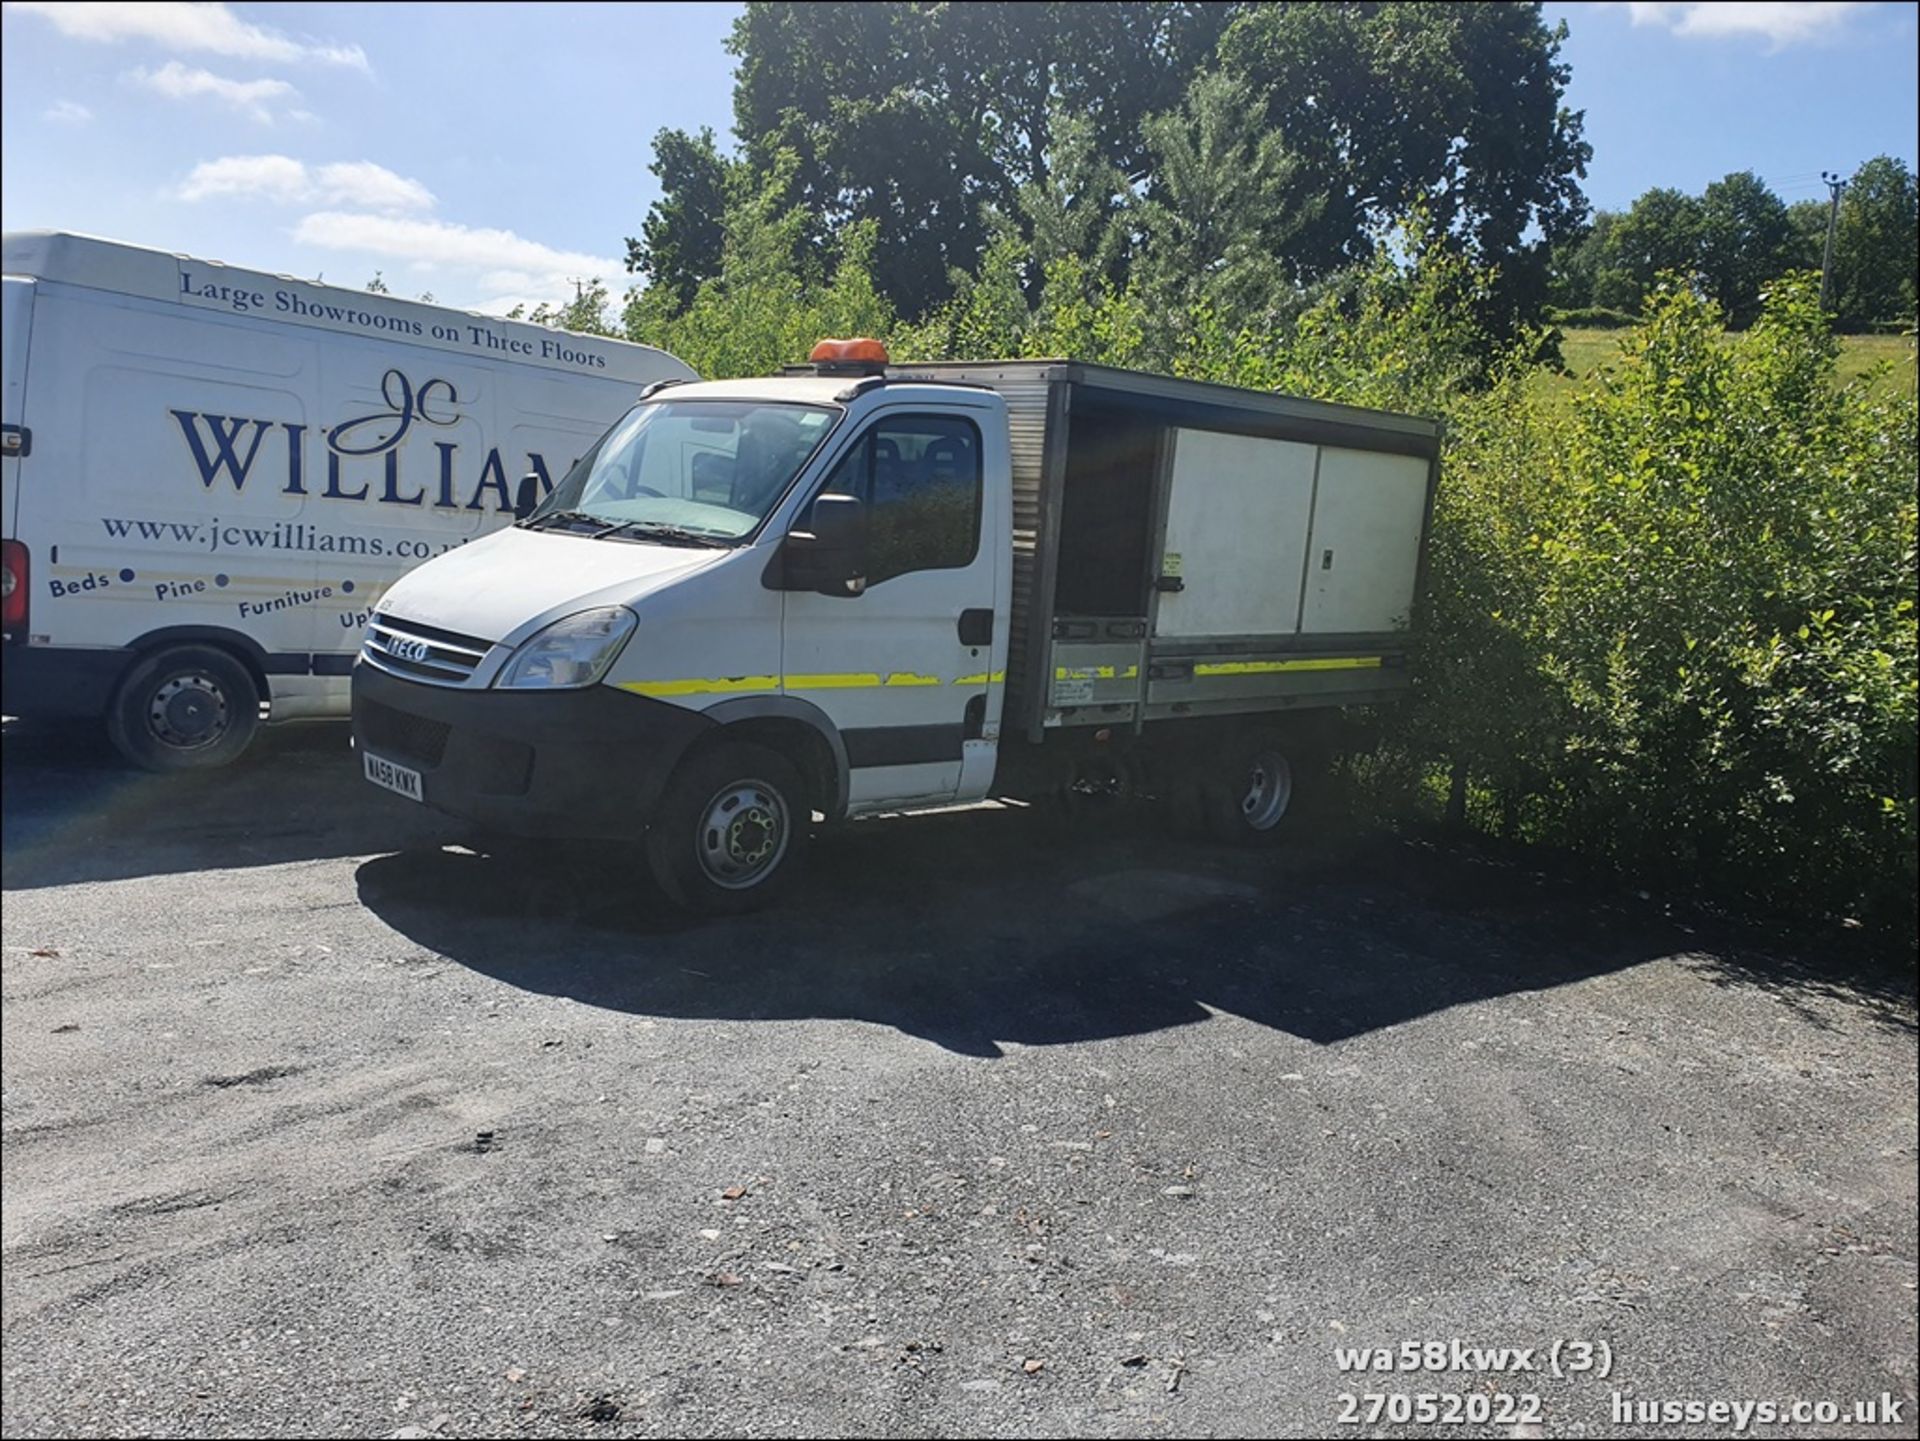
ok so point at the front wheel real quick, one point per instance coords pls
(190, 707)
(726, 836)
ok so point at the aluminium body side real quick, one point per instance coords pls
(1040, 396)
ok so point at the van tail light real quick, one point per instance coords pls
(13, 588)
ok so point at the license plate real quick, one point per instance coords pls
(398, 779)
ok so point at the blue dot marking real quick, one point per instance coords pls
(126, 575)
(346, 587)
(220, 580)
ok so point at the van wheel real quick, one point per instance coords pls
(1246, 798)
(726, 837)
(188, 708)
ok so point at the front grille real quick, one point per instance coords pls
(422, 652)
(401, 736)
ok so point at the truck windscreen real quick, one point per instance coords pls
(706, 470)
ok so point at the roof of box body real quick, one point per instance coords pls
(109, 265)
(1202, 394)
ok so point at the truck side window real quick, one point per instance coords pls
(919, 477)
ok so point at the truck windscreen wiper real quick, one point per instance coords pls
(671, 534)
(555, 517)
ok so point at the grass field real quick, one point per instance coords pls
(1587, 350)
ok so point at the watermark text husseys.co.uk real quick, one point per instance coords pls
(1885, 1409)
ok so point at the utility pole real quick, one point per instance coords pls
(1835, 184)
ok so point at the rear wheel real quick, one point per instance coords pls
(1246, 796)
(186, 708)
(727, 833)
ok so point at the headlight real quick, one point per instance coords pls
(570, 653)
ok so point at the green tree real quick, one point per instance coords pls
(1078, 210)
(1457, 107)
(766, 307)
(1223, 207)
(1660, 234)
(1876, 247)
(681, 238)
(1807, 219)
(588, 313)
(1746, 240)
(911, 116)
(1574, 264)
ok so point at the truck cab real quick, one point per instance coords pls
(858, 588)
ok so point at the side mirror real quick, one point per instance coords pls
(526, 496)
(829, 552)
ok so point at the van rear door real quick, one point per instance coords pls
(16, 322)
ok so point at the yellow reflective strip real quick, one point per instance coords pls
(1095, 672)
(719, 685)
(838, 680)
(844, 680)
(1272, 667)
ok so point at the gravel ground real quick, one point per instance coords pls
(315, 1125)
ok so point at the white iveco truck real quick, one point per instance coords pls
(209, 476)
(859, 588)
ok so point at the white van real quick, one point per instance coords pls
(211, 476)
(864, 588)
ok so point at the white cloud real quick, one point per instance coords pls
(292, 182)
(462, 247)
(251, 97)
(175, 25)
(272, 177)
(361, 182)
(508, 281)
(379, 218)
(68, 112)
(1783, 23)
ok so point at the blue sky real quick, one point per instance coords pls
(490, 153)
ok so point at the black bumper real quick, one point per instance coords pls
(586, 764)
(58, 682)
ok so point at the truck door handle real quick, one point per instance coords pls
(976, 627)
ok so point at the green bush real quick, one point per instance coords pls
(1589, 317)
(1673, 626)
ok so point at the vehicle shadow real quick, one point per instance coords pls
(981, 927)
(75, 811)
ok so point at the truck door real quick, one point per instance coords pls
(904, 667)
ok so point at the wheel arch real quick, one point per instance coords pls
(798, 730)
(260, 664)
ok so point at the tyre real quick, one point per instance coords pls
(1246, 797)
(186, 708)
(726, 836)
